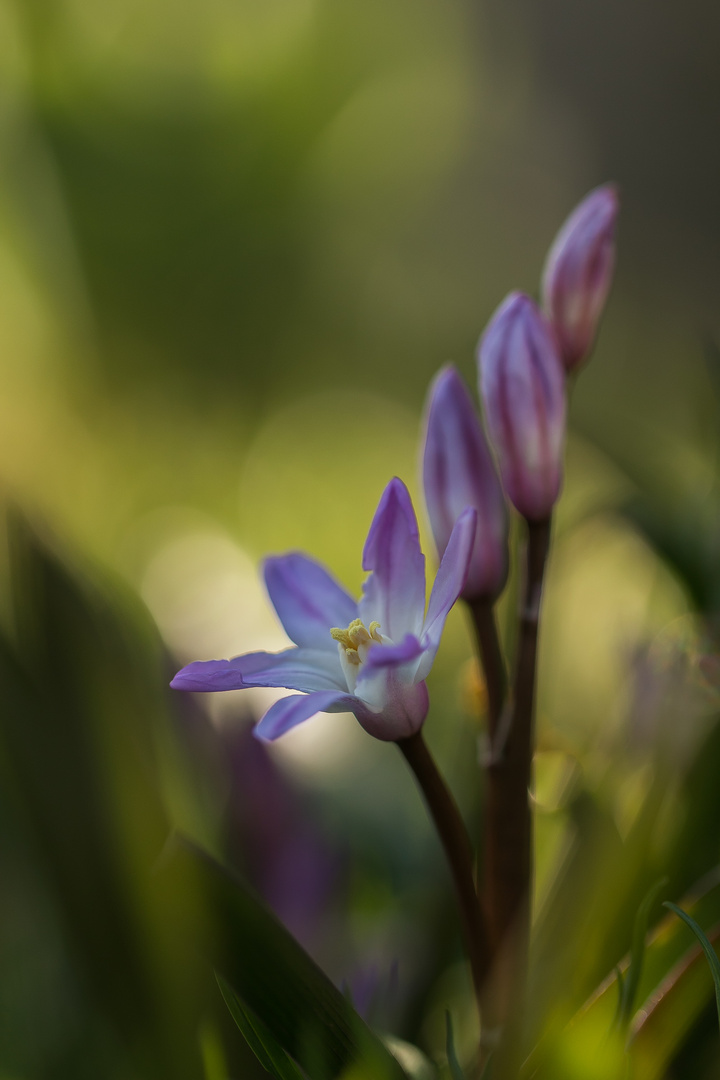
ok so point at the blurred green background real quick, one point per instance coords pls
(237, 238)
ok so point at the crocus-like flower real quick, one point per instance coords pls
(458, 471)
(578, 273)
(369, 658)
(522, 383)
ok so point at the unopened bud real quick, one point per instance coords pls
(458, 471)
(522, 383)
(578, 274)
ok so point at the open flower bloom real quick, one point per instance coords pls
(369, 658)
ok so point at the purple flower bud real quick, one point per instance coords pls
(578, 273)
(522, 383)
(458, 471)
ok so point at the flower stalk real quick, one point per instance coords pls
(459, 853)
(508, 821)
(484, 625)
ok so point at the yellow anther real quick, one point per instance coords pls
(358, 635)
(354, 636)
(342, 636)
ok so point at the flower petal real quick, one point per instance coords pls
(293, 669)
(396, 702)
(578, 273)
(448, 584)
(307, 599)
(380, 657)
(206, 675)
(394, 594)
(522, 383)
(458, 471)
(293, 710)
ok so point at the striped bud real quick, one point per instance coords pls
(522, 384)
(578, 274)
(458, 471)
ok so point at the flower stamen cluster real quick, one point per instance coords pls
(354, 642)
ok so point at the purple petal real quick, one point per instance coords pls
(448, 584)
(309, 602)
(578, 273)
(205, 675)
(396, 701)
(522, 382)
(390, 656)
(293, 710)
(458, 471)
(394, 594)
(293, 669)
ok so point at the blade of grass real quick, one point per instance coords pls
(453, 1064)
(266, 1049)
(272, 975)
(637, 954)
(707, 948)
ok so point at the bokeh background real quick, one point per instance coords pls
(237, 238)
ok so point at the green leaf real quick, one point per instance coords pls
(621, 995)
(673, 991)
(82, 697)
(211, 1048)
(273, 976)
(637, 954)
(453, 1064)
(271, 1056)
(707, 948)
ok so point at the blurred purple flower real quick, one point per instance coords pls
(458, 471)
(578, 273)
(522, 383)
(373, 989)
(293, 866)
(369, 658)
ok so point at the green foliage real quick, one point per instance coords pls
(706, 946)
(305, 1014)
(456, 1072)
(80, 701)
(269, 1053)
(631, 981)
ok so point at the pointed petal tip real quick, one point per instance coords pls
(205, 676)
(606, 195)
(448, 389)
(397, 489)
(447, 376)
(290, 711)
(469, 515)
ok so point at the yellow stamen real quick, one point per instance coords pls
(340, 635)
(354, 636)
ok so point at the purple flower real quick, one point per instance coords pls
(369, 658)
(578, 273)
(458, 471)
(522, 383)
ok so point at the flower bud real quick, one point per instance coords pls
(522, 383)
(458, 471)
(578, 273)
